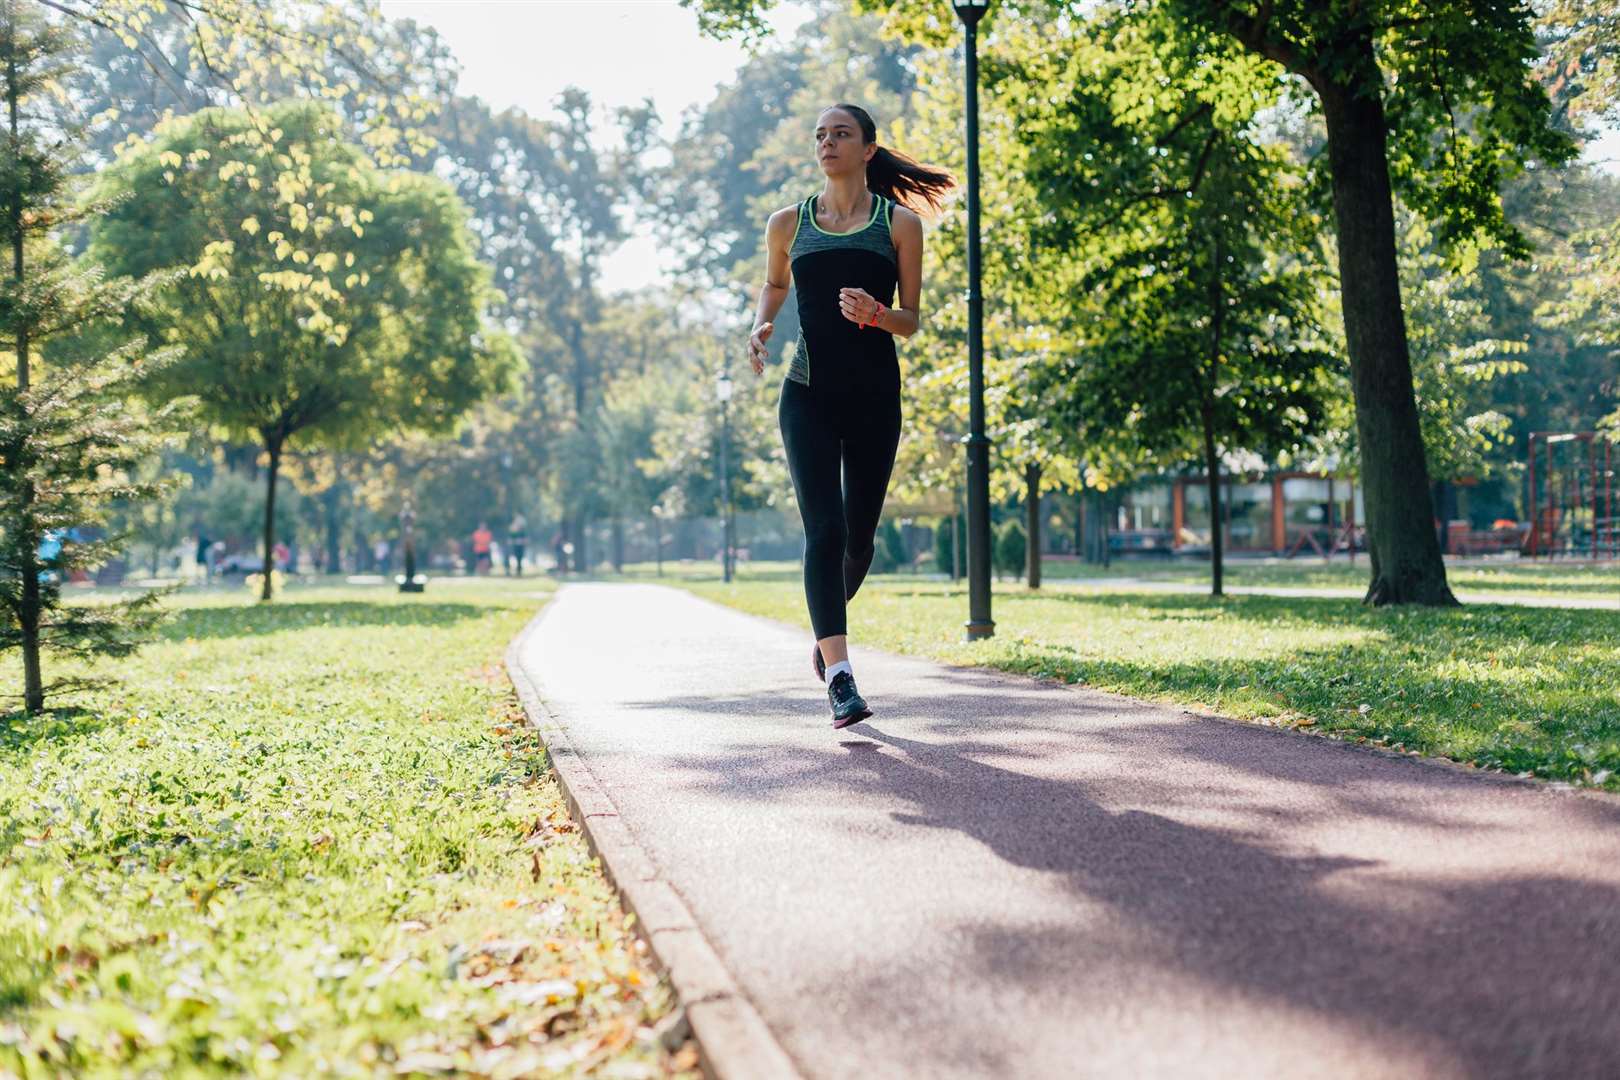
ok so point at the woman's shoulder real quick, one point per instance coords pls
(900, 213)
(786, 217)
(904, 222)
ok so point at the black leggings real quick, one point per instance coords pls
(858, 428)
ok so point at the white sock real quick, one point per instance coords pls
(833, 669)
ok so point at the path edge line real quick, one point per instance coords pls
(734, 1042)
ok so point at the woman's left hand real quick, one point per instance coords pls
(858, 305)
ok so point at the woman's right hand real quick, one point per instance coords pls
(756, 346)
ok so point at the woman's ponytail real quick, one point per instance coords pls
(897, 176)
(906, 180)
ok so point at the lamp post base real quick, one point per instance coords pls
(415, 583)
(978, 631)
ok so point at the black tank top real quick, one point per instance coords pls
(824, 263)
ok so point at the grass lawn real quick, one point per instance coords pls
(1527, 690)
(1549, 579)
(309, 839)
(1591, 581)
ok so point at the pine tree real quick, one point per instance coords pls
(70, 435)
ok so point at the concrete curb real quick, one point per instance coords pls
(733, 1040)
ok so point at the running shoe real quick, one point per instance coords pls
(848, 707)
(817, 662)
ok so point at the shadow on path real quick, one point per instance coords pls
(1444, 928)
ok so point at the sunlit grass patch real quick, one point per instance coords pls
(309, 838)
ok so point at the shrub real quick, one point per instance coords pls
(1010, 548)
(942, 543)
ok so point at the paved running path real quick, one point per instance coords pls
(1002, 878)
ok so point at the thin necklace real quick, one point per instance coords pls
(852, 214)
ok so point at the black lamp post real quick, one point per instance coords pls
(979, 624)
(722, 394)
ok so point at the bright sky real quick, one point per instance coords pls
(525, 52)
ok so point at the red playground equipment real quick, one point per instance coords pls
(1572, 496)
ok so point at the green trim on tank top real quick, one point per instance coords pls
(877, 204)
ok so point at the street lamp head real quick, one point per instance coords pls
(970, 11)
(722, 387)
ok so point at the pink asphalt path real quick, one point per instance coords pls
(1001, 877)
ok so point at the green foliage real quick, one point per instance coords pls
(950, 536)
(1580, 63)
(153, 58)
(1455, 361)
(285, 845)
(353, 311)
(231, 506)
(893, 544)
(1009, 548)
(1179, 243)
(1463, 107)
(357, 309)
(889, 549)
(72, 442)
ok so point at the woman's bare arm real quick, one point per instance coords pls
(778, 276)
(904, 318)
(859, 306)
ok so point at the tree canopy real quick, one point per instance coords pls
(334, 305)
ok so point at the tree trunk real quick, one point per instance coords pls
(1407, 567)
(1095, 514)
(31, 612)
(1032, 516)
(1080, 523)
(658, 544)
(334, 553)
(618, 545)
(1206, 412)
(1212, 465)
(579, 527)
(1445, 509)
(272, 446)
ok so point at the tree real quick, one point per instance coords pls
(1434, 98)
(352, 310)
(1154, 302)
(71, 443)
(156, 57)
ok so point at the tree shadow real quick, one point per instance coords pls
(251, 620)
(1502, 963)
(1501, 685)
(20, 732)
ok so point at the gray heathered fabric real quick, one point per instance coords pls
(809, 239)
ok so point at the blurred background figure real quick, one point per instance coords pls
(517, 542)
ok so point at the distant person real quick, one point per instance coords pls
(482, 541)
(559, 553)
(203, 546)
(517, 542)
(282, 554)
(379, 554)
(845, 251)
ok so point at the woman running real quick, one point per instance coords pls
(847, 248)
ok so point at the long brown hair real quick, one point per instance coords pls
(898, 176)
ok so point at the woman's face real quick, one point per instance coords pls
(839, 148)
